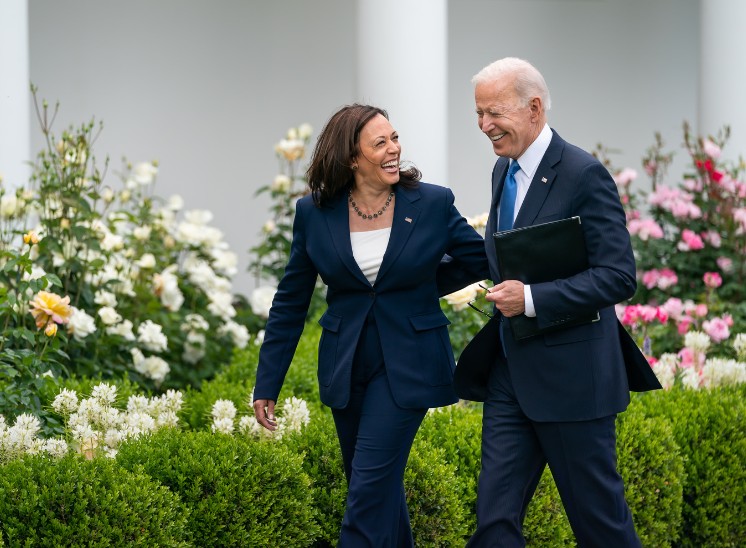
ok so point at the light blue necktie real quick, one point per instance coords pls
(507, 200)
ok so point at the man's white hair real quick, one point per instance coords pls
(528, 80)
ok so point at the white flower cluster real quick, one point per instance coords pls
(200, 258)
(714, 372)
(293, 416)
(94, 425)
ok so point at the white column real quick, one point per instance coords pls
(722, 87)
(402, 68)
(14, 93)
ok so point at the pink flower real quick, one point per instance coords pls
(711, 149)
(700, 310)
(687, 356)
(712, 280)
(667, 278)
(625, 177)
(684, 324)
(713, 238)
(650, 279)
(690, 241)
(661, 314)
(650, 167)
(725, 264)
(717, 329)
(630, 315)
(645, 229)
(674, 307)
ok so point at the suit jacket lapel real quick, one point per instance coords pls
(405, 219)
(541, 184)
(498, 180)
(338, 221)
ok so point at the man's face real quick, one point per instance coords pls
(510, 125)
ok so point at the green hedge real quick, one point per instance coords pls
(240, 492)
(652, 466)
(236, 381)
(75, 502)
(709, 427)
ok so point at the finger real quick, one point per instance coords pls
(261, 413)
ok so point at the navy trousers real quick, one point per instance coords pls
(581, 456)
(375, 436)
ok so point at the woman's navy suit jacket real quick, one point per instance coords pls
(404, 299)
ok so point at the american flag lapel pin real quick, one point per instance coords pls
(408, 219)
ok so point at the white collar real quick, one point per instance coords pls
(531, 158)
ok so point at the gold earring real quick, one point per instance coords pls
(354, 167)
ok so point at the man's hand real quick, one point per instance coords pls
(508, 298)
(264, 410)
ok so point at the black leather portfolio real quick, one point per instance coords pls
(542, 253)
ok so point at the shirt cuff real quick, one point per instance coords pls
(528, 302)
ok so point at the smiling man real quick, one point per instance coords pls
(552, 398)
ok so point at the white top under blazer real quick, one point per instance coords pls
(368, 248)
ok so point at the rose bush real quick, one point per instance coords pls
(108, 280)
(689, 313)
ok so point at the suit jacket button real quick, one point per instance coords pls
(372, 294)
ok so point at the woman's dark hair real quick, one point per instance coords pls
(330, 172)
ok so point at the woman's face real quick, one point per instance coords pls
(379, 153)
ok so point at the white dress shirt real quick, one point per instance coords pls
(529, 162)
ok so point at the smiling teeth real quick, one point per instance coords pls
(497, 137)
(389, 164)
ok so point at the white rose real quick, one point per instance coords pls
(144, 173)
(8, 205)
(461, 298)
(108, 315)
(261, 300)
(151, 337)
(281, 183)
(175, 202)
(146, 261)
(80, 324)
(305, 131)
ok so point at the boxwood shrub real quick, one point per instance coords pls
(709, 427)
(236, 381)
(76, 502)
(652, 466)
(239, 492)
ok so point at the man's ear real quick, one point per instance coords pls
(536, 106)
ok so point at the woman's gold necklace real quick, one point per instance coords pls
(373, 215)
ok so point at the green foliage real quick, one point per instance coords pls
(319, 448)
(546, 523)
(709, 427)
(437, 516)
(74, 502)
(239, 492)
(457, 430)
(652, 466)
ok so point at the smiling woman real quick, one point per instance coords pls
(376, 237)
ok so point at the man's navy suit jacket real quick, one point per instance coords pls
(576, 373)
(404, 298)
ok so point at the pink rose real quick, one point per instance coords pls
(712, 280)
(717, 329)
(711, 149)
(625, 177)
(725, 264)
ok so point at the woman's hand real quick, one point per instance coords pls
(264, 410)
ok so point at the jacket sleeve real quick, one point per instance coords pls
(465, 261)
(287, 315)
(610, 277)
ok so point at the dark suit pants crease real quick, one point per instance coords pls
(581, 456)
(375, 436)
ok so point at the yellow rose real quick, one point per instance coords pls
(47, 307)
